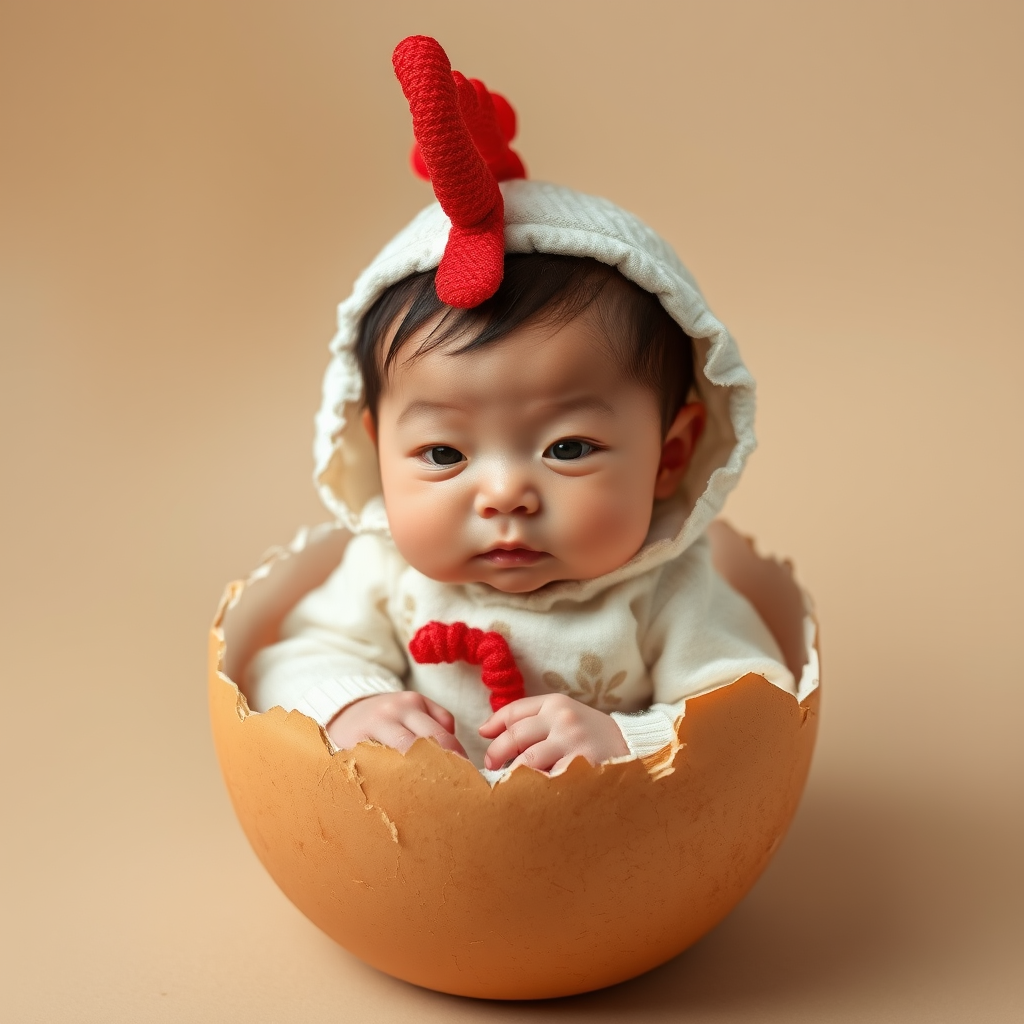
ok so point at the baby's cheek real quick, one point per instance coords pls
(605, 526)
(425, 524)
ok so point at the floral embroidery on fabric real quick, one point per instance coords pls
(406, 615)
(409, 611)
(589, 687)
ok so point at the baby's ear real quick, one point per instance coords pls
(370, 426)
(677, 448)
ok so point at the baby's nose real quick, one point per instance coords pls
(506, 493)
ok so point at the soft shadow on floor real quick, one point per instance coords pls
(865, 895)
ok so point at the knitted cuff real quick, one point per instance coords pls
(648, 731)
(323, 701)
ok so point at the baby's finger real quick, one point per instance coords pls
(439, 714)
(559, 766)
(419, 723)
(517, 738)
(541, 756)
(394, 734)
(525, 707)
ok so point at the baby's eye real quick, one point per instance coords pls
(568, 449)
(442, 455)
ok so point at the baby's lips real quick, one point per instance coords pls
(513, 557)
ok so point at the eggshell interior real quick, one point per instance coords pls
(538, 886)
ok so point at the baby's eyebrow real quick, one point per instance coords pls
(573, 403)
(421, 406)
(577, 402)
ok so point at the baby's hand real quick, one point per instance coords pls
(396, 720)
(546, 732)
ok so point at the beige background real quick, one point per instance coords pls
(189, 188)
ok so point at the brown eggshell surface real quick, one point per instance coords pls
(538, 886)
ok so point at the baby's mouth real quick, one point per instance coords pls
(512, 557)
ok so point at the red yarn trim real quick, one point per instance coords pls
(462, 145)
(440, 642)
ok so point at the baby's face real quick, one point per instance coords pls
(529, 460)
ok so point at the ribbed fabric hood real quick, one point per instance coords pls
(541, 217)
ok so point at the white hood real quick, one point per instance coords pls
(540, 217)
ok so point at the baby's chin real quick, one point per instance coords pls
(507, 585)
(517, 579)
(526, 580)
(509, 580)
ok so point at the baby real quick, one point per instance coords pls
(543, 464)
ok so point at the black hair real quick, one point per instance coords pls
(539, 288)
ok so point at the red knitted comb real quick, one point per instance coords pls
(462, 146)
(446, 642)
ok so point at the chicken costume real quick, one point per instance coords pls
(636, 642)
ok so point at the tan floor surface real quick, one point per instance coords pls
(189, 188)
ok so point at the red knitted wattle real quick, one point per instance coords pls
(441, 642)
(462, 134)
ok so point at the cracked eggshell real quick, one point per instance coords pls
(538, 887)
